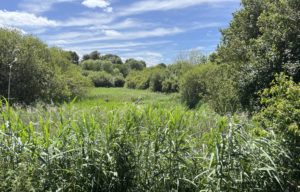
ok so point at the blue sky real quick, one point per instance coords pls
(153, 30)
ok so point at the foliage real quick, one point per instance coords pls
(156, 79)
(193, 57)
(138, 80)
(73, 57)
(115, 59)
(39, 73)
(119, 81)
(212, 84)
(281, 109)
(281, 113)
(95, 55)
(222, 90)
(262, 40)
(148, 78)
(173, 74)
(97, 65)
(193, 85)
(102, 79)
(135, 64)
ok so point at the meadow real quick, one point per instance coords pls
(132, 140)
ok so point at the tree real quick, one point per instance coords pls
(262, 40)
(115, 59)
(95, 55)
(193, 57)
(162, 65)
(135, 64)
(40, 73)
(73, 57)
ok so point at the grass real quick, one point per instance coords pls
(118, 98)
(131, 140)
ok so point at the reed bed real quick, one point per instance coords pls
(140, 148)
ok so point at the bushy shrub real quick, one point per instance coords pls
(102, 79)
(156, 78)
(148, 78)
(173, 73)
(222, 90)
(135, 64)
(193, 84)
(137, 80)
(119, 81)
(97, 65)
(281, 113)
(213, 84)
(39, 73)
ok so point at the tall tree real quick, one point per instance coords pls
(263, 39)
(73, 56)
(115, 59)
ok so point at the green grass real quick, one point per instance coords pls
(119, 140)
(117, 98)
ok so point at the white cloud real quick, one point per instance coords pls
(22, 19)
(38, 6)
(89, 19)
(108, 9)
(115, 46)
(128, 23)
(112, 33)
(164, 5)
(96, 3)
(104, 35)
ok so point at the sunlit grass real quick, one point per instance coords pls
(117, 98)
(131, 140)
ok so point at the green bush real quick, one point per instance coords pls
(222, 90)
(156, 78)
(138, 80)
(97, 65)
(39, 73)
(173, 74)
(119, 81)
(193, 85)
(213, 84)
(281, 113)
(102, 79)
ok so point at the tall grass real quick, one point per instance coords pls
(140, 148)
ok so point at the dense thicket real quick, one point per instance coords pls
(37, 71)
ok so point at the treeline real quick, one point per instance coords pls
(261, 41)
(108, 70)
(31, 71)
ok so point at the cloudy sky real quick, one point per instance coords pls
(152, 30)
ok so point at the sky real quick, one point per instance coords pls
(152, 30)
